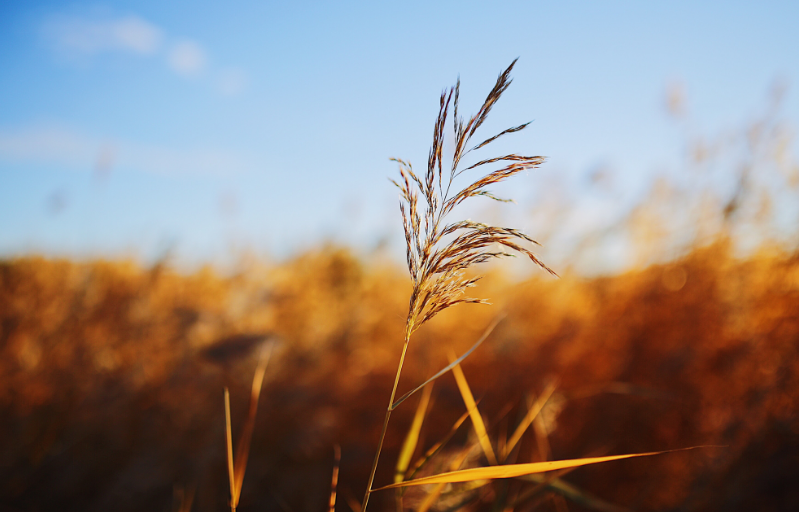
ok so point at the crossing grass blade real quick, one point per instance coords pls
(431, 498)
(553, 483)
(474, 413)
(534, 411)
(518, 470)
(409, 446)
(419, 464)
(447, 368)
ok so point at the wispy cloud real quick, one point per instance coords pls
(187, 58)
(74, 37)
(82, 38)
(71, 148)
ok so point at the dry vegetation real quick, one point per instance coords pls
(113, 378)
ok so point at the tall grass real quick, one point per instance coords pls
(439, 252)
(641, 365)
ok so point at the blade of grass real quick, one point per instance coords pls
(238, 465)
(334, 479)
(543, 482)
(409, 446)
(243, 448)
(517, 470)
(534, 411)
(229, 438)
(502, 438)
(542, 438)
(436, 447)
(553, 483)
(474, 413)
(466, 354)
(433, 496)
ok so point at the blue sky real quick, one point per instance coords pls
(133, 128)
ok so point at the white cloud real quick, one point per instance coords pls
(81, 38)
(70, 148)
(232, 82)
(187, 58)
(75, 37)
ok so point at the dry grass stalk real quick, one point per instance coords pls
(238, 465)
(439, 253)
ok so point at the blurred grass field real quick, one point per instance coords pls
(113, 374)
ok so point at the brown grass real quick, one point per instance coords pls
(111, 386)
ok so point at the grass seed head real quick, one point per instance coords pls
(438, 254)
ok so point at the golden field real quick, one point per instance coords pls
(113, 377)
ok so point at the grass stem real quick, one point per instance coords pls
(385, 422)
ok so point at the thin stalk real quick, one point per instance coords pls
(385, 421)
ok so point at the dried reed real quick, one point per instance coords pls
(439, 253)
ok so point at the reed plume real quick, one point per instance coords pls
(439, 253)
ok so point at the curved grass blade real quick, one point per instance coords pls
(466, 354)
(517, 470)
